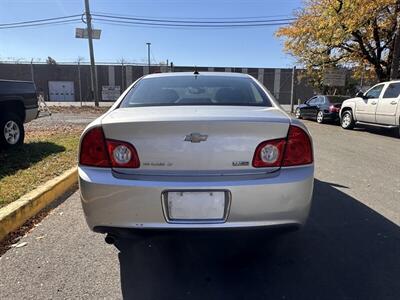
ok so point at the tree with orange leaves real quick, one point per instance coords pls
(345, 33)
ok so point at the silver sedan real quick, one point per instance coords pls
(188, 150)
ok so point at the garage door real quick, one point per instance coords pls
(61, 91)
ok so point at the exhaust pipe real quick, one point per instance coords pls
(110, 239)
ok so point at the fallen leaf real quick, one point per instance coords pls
(19, 245)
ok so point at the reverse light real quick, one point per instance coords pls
(269, 154)
(97, 151)
(122, 154)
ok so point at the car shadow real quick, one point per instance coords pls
(24, 156)
(345, 251)
(378, 131)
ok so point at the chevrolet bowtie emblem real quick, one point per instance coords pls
(196, 138)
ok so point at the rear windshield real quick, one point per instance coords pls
(337, 99)
(195, 90)
(17, 87)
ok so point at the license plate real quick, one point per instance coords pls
(196, 205)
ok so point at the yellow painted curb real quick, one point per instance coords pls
(18, 212)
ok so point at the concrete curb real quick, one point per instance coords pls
(18, 212)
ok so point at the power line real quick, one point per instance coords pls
(166, 25)
(72, 21)
(179, 28)
(129, 21)
(40, 20)
(198, 18)
(193, 22)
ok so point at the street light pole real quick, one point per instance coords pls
(148, 55)
(93, 73)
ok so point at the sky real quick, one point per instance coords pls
(244, 47)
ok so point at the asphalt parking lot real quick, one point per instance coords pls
(349, 249)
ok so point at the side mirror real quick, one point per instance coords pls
(360, 94)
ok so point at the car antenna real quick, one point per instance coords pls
(195, 71)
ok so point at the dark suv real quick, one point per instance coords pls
(18, 105)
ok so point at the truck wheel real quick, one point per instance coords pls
(12, 131)
(347, 121)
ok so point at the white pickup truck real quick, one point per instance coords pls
(379, 106)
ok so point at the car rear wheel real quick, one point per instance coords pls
(297, 113)
(397, 132)
(12, 131)
(320, 117)
(347, 121)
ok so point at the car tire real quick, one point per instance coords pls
(297, 113)
(397, 132)
(12, 131)
(320, 117)
(347, 121)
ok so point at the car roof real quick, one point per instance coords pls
(201, 73)
(383, 82)
(337, 96)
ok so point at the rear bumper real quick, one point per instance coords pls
(331, 116)
(281, 198)
(31, 114)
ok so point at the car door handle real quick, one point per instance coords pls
(373, 103)
(393, 102)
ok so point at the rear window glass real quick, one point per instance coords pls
(337, 99)
(17, 87)
(195, 90)
(392, 91)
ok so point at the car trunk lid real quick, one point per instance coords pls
(202, 139)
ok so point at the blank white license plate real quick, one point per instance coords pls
(196, 205)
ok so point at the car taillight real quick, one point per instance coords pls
(269, 154)
(298, 150)
(93, 150)
(333, 108)
(294, 150)
(97, 151)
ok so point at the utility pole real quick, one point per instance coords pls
(93, 73)
(148, 55)
(292, 90)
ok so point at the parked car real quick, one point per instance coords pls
(18, 105)
(181, 150)
(379, 106)
(321, 108)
